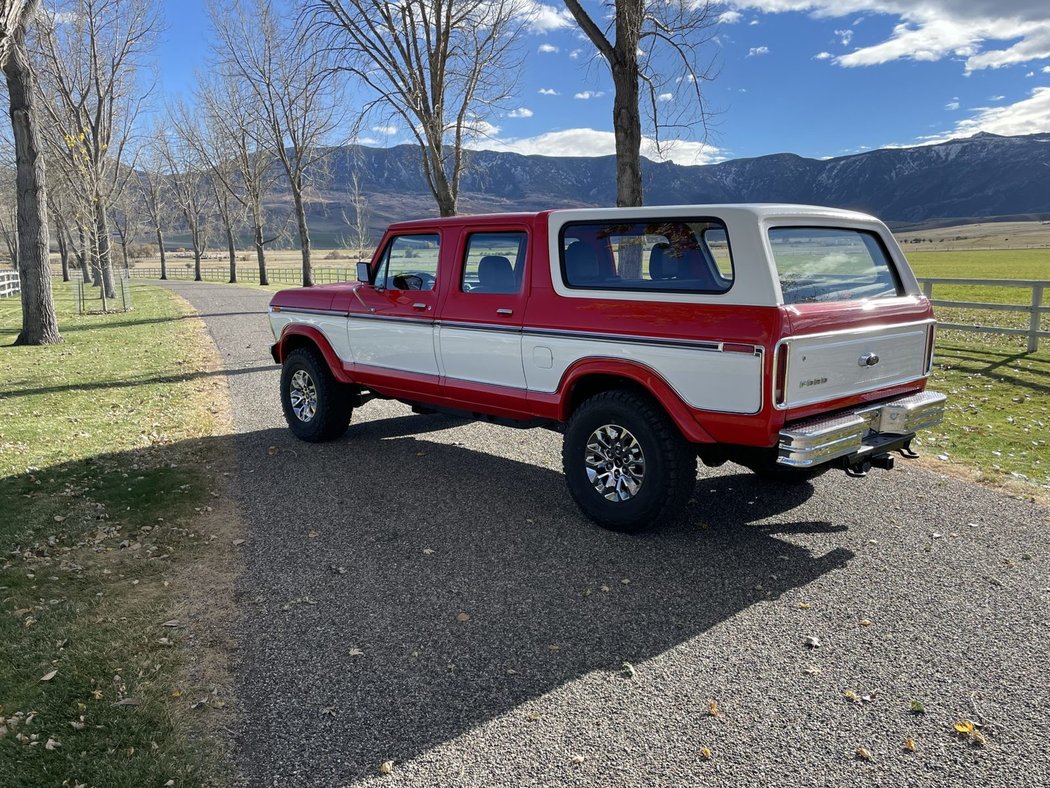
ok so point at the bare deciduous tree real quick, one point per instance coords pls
(187, 179)
(656, 46)
(292, 88)
(92, 64)
(39, 324)
(227, 104)
(440, 66)
(155, 191)
(356, 218)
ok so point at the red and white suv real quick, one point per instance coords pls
(785, 338)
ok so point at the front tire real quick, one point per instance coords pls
(626, 464)
(316, 405)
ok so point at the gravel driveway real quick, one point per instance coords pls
(423, 592)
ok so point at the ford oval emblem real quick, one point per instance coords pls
(868, 360)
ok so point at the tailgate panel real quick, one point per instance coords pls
(824, 367)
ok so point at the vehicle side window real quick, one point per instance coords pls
(663, 255)
(410, 262)
(818, 264)
(494, 263)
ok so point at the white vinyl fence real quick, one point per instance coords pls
(9, 284)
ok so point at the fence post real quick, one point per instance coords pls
(1034, 319)
(927, 289)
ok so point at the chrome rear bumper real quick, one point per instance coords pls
(820, 440)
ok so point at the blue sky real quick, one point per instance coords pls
(818, 78)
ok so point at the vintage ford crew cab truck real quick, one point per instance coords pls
(785, 338)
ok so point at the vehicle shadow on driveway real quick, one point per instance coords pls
(402, 591)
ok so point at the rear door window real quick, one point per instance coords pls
(817, 264)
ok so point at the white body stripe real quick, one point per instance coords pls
(403, 345)
(492, 357)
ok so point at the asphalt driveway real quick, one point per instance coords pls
(423, 592)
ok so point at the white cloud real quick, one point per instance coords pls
(387, 130)
(575, 54)
(586, 95)
(753, 22)
(665, 97)
(546, 48)
(936, 29)
(729, 17)
(823, 56)
(1030, 74)
(1028, 116)
(757, 51)
(520, 112)
(549, 92)
(952, 105)
(845, 36)
(996, 98)
(590, 142)
(544, 18)
(1045, 69)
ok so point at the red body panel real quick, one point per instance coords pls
(538, 306)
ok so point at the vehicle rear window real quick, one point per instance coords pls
(831, 264)
(662, 255)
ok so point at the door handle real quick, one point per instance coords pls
(504, 311)
(419, 306)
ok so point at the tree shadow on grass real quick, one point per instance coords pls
(381, 541)
(991, 363)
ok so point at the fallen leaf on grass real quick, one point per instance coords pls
(173, 623)
(969, 730)
(804, 605)
(238, 542)
(964, 727)
(534, 716)
(713, 710)
(911, 745)
(52, 744)
(916, 707)
(863, 754)
(851, 696)
(49, 676)
(705, 753)
(865, 622)
(128, 702)
(59, 518)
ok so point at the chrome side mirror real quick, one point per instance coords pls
(364, 274)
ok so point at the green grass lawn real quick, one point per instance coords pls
(998, 419)
(105, 467)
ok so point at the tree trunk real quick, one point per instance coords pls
(163, 259)
(195, 235)
(304, 235)
(627, 127)
(82, 255)
(105, 251)
(260, 251)
(39, 324)
(231, 245)
(63, 253)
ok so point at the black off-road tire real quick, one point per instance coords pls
(333, 408)
(669, 462)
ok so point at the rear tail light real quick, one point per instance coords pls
(930, 334)
(780, 365)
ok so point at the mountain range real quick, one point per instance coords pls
(977, 178)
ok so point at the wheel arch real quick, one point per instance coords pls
(591, 376)
(295, 336)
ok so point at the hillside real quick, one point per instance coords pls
(963, 180)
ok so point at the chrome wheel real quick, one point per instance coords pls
(615, 463)
(303, 395)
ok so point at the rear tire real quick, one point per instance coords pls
(316, 405)
(626, 464)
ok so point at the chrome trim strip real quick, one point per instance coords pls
(415, 321)
(515, 329)
(841, 332)
(689, 344)
(280, 310)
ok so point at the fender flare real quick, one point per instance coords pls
(319, 340)
(684, 416)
